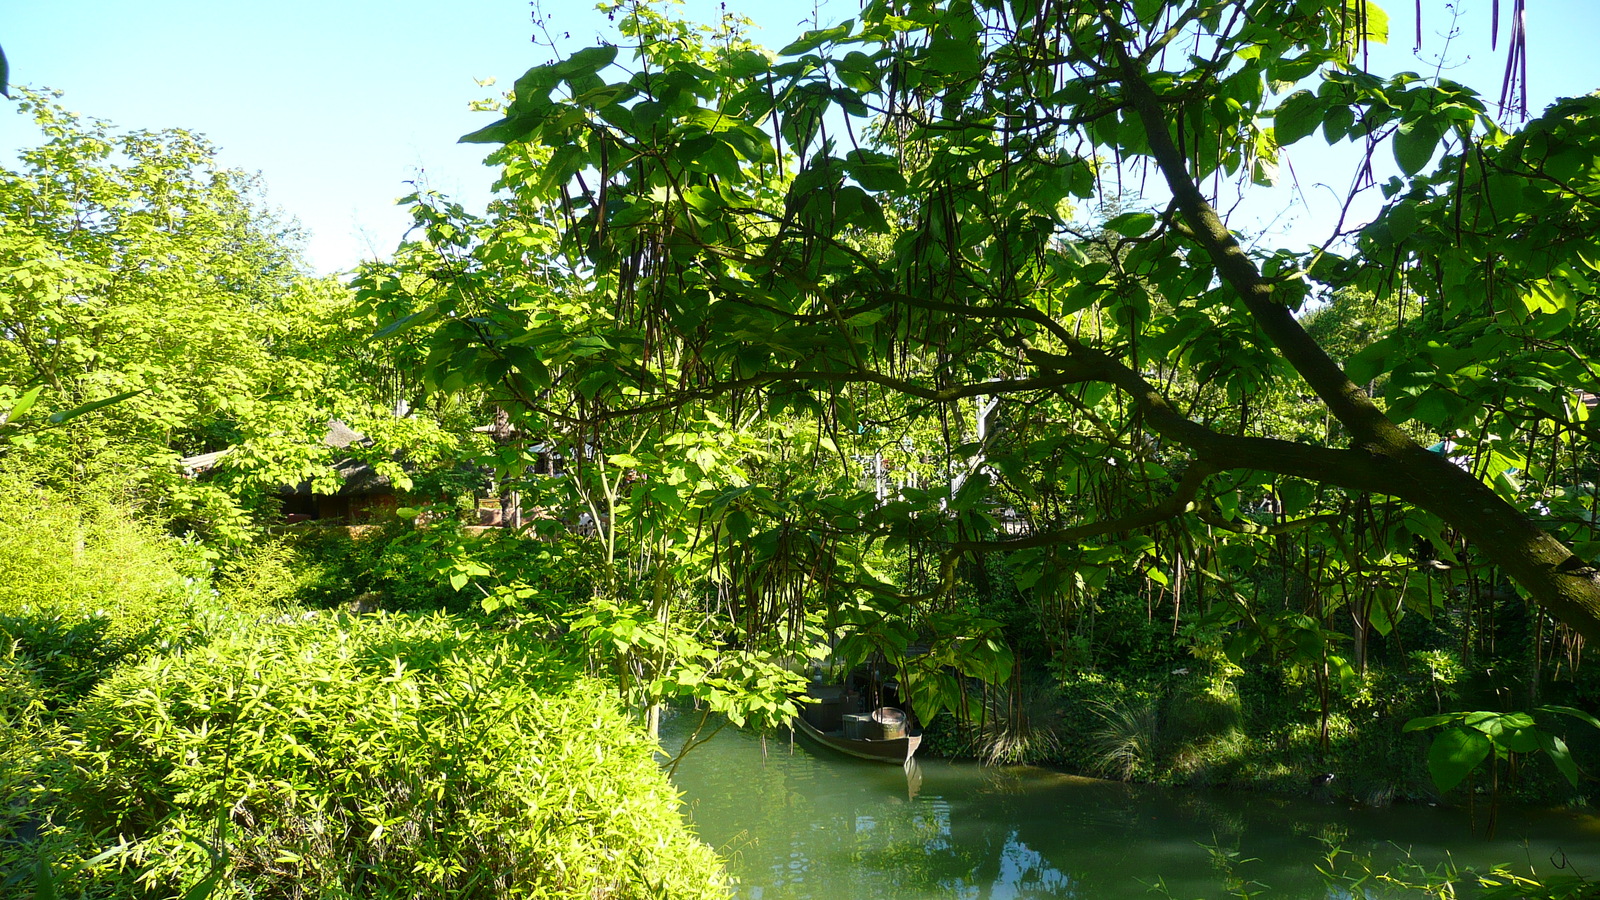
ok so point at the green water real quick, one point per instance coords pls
(803, 822)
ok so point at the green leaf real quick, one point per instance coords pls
(1415, 143)
(205, 887)
(69, 414)
(1546, 296)
(23, 404)
(44, 880)
(506, 131)
(1578, 714)
(1297, 116)
(1521, 740)
(972, 491)
(458, 581)
(1131, 224)
(1375, 28)
(811, 40)
(874, 171)
(953, 56)
(405, 322)
(1337, 122)
(1454, 754)
(1293, 69)
(646, 113)
(586, 61)
(1556, 749)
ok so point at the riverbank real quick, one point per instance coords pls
(1212, 724)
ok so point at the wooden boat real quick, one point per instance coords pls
(817, 713)
(893, 750)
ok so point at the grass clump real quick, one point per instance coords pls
(376, 756)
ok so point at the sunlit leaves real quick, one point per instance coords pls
(1131, 224)
(165, 314)
(1466, 740)
(1455, 752)
(1297, 116)
(1415, 142)
(874, 226)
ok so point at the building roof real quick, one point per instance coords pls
(356, 477)
(204, 462)
(341, 436)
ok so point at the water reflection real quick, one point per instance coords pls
(799, 822)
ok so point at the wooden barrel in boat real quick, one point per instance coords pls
(886, 724)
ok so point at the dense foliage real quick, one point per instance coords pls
(154, 308)
(377, 757)
(85, 585)
(874, 243)
(169, 739)
(163, 684)
(862, 352)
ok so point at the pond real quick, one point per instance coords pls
(799, 821)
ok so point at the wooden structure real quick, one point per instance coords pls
(832, 716)
(364, 495)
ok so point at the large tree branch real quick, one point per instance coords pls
(1539, 562)
(1357, 469)
(1344, 399)
(1180, 501)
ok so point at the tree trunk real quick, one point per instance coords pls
(1550, 573)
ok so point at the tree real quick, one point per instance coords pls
(883, 214)
(143, 283)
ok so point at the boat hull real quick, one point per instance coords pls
(895, 750)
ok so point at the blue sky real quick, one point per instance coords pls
(339, 103)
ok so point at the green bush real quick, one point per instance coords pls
(84, 554)
(399, 566)
(271, 573)
(85, 585)
(31, 754)
(327, 566)
(374, 756)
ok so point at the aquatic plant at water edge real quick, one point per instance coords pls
(1124, 745)
(1019, 725)
(1359, 875)
(375, 756)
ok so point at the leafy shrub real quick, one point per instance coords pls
(31, 747)
(1124, 744)
(376, 756)
(331, 566)
(85, 554)
(1093, 707)
(85, 585)
(68, 656)
(272, 573)
(1196, 711)
(439, 566)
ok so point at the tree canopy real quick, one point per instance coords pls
(154, 308)
(890, 222)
